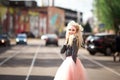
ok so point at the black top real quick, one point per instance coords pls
(71, 50)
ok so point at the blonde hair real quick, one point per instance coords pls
(78, 35)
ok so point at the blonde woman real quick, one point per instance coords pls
(71, 68)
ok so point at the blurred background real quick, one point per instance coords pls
(39, 25)
(38, 17)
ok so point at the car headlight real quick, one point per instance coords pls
(3, 41)
(25, 40)
(17, 40)
(92, 46)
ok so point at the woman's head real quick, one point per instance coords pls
(75, 29)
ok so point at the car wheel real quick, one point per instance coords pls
(92, 52)
(108, 51)
(56, 44)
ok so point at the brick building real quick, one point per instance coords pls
(35, 20)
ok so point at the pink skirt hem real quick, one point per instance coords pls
(69, 70)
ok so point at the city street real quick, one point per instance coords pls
(35, 61)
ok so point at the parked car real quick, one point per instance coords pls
(4, 40)
(102, 42)
(21, 38)
(50, 39)
(44, 37)
(29, 34)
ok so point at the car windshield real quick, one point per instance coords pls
(3, 36)
(97, 37)
(21, 36)
(89, 37)
(51, 35)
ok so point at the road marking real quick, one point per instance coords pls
(32, 64)
(8, 58)
(60, 55)
(101, 65)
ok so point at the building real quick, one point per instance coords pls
(28, 19)
(51, 20)
(19, 16)
(72, 15)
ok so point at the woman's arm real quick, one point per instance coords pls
(63, 49)
(74, 49)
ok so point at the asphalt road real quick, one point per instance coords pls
(38, 62)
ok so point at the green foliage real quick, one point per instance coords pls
(107, 11)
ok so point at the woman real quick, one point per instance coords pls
(117, 53)
(71, 68)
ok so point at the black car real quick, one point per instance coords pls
(4, 40)
(102, 42)
(50, 39)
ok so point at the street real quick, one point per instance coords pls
(35, 61)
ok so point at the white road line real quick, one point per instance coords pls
(101, 65)
(32, 64)
(8, 58)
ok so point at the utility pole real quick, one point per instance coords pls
(53, 3)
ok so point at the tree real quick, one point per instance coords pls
(107, 12)
(87, 27)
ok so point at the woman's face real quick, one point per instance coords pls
(72, 30)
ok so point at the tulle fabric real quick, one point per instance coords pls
(70, 70)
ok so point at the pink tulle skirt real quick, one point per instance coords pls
(70, 70)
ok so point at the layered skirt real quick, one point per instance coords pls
(69, 70)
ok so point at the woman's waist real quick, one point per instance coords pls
(68, 53)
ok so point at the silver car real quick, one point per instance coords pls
(21, 39)
(50, 39)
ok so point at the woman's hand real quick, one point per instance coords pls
(63, 49)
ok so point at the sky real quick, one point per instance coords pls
(84, 6)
